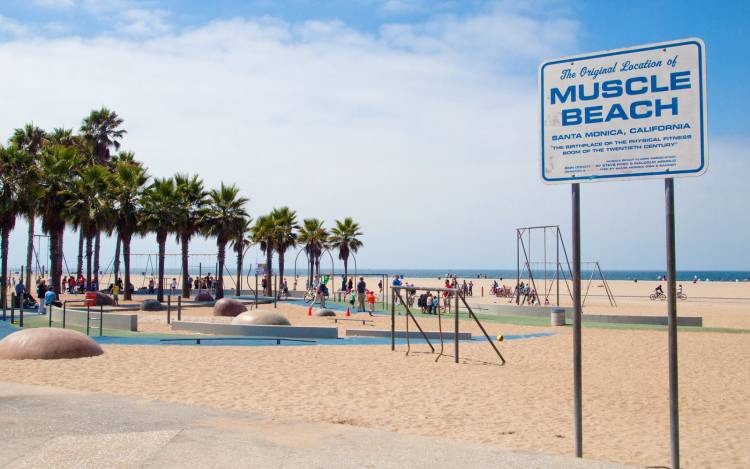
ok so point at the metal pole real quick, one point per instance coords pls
(557, 264)
(518, 258)
(169, 309)
(393, 320)
(101, 320)
(13, 304)
(179, 308)
(455, 338)
(674, 420)
(577, 393)
(88, 317)
(20, 317)
(275, 289)
(63, 321)
(256, 290)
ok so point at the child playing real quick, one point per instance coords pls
(371, 301)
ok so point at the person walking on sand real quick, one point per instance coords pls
(371, 301)
(361, 291)
(115, 293)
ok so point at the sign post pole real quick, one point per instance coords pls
(674, 419)
(577, 375)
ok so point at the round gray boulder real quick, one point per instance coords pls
(261, 318)
(103, 299)
(324, 313)
(203, 296)
(151, 305)
(228, 307)
(48, 344)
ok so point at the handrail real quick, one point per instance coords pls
(277, 339)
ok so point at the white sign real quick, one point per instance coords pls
(631, 113)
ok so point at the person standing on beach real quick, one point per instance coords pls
(20, 290)
(115, 294)
(173, 287)
(361, 291)
(41, 289)
(371, 301)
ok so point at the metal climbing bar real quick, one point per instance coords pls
(396, 290)
(471, 313)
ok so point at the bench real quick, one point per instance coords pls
(364, 321)
(277, 339)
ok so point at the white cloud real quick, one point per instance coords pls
(401, 6)
(409, 131)
(12, 27)
(60, 4)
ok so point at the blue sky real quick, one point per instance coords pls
(398, 100)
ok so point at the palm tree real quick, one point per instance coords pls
(127, 184)
(101, 129)
(344, 238)
(17, 169)
(192, 201)
(160, 202)
(89, 209)
(30, 139)
(240, 241)
(314, 237)
(128, 157)
(263, 234)
(58, 183)
(224, 213)
(65, 137)
(285, 237)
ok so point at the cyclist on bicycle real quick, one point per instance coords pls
(658, 290)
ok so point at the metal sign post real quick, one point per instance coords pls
(634, 113)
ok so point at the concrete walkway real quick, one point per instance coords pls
(48, 427)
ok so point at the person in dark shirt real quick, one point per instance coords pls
(361, 291)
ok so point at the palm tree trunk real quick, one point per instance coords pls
(126, 261)
(222, 245)
(281, 271)
(30, 250)
(269, 269)
(184, 240)
(116, 264)
(160, 286)
(89, 241)
(81, 237)
(346, 268)
(56, 243)
(4, 265)
(97, 251)
(239, 269)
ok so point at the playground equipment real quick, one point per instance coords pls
(533, 270)
(453, 293)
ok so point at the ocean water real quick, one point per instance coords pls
(683, 275)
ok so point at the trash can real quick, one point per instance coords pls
(557, 317)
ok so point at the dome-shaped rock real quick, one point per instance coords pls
(203, 296)
(261, 318)
(324, 312)
(47, 344)
(228, 307)
(151, 305)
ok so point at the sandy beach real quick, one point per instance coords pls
(525, 405)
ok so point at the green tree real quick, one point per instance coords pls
(101, 130)
(263, 235)
(191, 204)
(89, 209)
(128, 184)
(241, 240)
(285, 235)
(344, 238)
(224, 213)
(30, 139)
(159, 208)
(314, 236)
(58, 183)
(17, 171)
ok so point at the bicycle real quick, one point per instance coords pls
(657, 296)
(310, 295)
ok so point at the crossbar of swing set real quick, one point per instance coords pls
(396, 291)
